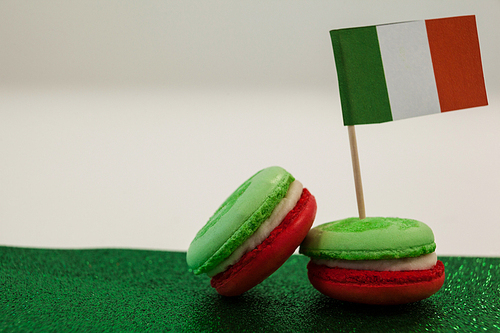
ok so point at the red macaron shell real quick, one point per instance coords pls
(267, 257)
(376, 287)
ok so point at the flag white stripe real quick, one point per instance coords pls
(408, 69)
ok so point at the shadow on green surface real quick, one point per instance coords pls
(257, 312)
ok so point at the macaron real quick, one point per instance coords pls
(253, 232)
(376, 260)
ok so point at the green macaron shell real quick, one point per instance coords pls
(369, 239)
(238, 218)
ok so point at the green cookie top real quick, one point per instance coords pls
(369, 238)
(238, 218)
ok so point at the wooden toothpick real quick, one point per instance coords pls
(357, 172)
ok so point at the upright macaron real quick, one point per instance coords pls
(253, 232)
(375, 260)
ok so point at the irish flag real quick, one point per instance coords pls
(402, 70)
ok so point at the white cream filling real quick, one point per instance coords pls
(280, 211)
(425, 261)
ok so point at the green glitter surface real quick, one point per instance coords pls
(134, 290)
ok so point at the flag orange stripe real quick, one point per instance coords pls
(456, 60)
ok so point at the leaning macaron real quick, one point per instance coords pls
(375, 260)
(253, 232)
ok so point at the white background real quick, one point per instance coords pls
(127, 123)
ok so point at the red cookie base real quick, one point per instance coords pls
(375, 287)
(265, 259)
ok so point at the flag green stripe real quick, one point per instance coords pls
(363, 91)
